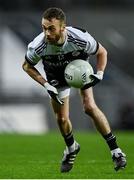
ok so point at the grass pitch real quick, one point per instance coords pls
(38, 157)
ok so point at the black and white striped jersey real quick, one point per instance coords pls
(79, 44)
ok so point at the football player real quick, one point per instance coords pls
(56, 46)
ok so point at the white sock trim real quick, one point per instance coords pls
(117, 150)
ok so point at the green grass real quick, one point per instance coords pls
(38, 157)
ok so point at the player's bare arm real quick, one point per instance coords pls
(33, 73)
(101, 58)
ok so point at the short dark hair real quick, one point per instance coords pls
(54, 12)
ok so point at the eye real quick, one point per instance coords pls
(51, 28)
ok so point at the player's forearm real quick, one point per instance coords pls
(101, 58)
(34, 73)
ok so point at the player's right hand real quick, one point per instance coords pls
(53, 93)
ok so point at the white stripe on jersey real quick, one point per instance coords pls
(76, 41)
(41, 48)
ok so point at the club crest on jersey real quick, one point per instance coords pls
(75, 53)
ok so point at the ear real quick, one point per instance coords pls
(63, 26)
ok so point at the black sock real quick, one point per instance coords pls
(111, 141)
(69, 139)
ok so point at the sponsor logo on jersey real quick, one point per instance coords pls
(63, 59)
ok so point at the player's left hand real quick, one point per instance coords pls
(95, 78)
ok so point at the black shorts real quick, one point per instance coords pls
(55, 76)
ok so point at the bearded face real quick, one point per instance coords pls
(53, 30)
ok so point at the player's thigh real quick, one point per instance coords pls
(61, 111)
(87, 97)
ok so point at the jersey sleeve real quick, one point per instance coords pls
(31, 56)
(92, 44)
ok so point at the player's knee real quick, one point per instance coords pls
(89, 109)
(62, 119)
